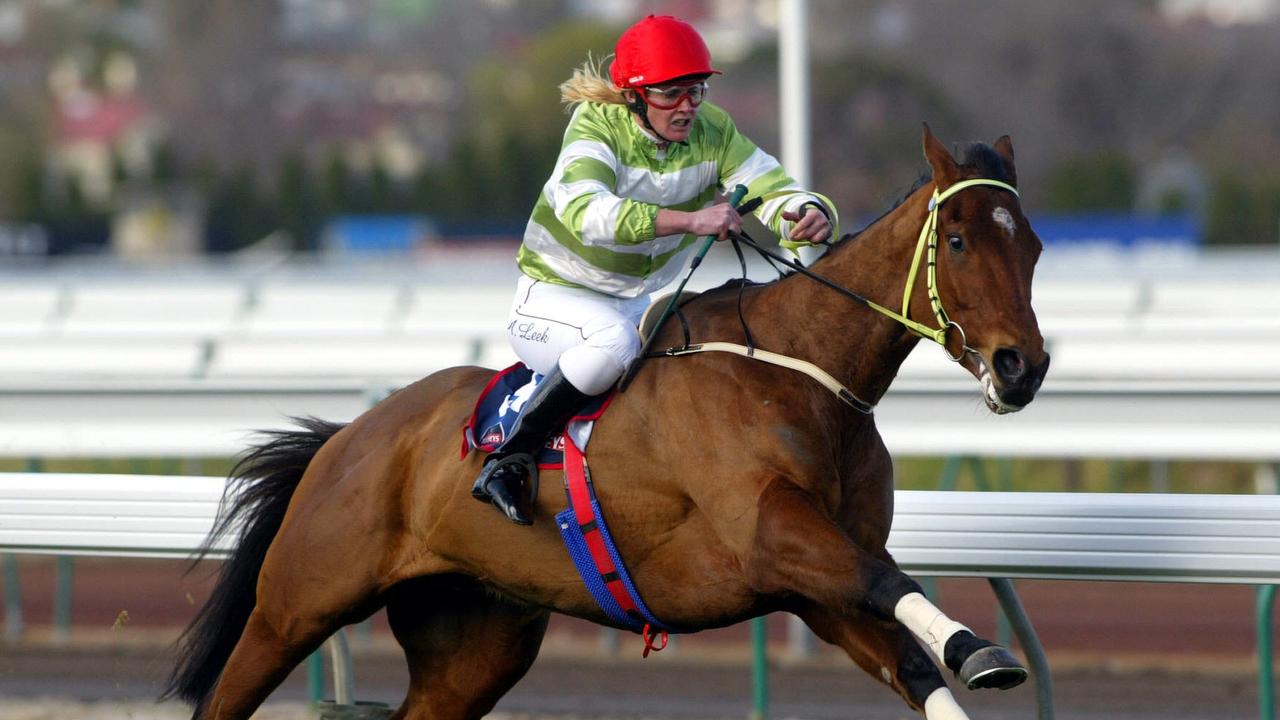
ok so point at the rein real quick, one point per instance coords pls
(928, 239)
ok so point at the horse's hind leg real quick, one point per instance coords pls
(888, 652)
(283, 629)
(466, 646)
(316, 577)
(262, 659)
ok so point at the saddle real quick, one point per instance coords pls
(503, 398)
(649, 321)
(500, 404)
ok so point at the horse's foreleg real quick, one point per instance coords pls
(798, 549)
(888, 652)
(466, 647)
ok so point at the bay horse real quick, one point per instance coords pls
(733, 488)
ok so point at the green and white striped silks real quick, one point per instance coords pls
(593, 224)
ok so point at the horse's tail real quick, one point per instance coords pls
(258, 492)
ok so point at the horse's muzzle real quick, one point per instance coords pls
(1015, 380)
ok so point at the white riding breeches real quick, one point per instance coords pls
(591, 335)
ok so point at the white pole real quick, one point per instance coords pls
(793, 78)
(793, 93)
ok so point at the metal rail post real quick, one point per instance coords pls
(1266, 600)
(344, 684)
(1013, 609)
(1263, 621)
(759, 670)
(64, 582)
(12, 600)
(315, 677)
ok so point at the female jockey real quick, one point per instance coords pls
(634, 186)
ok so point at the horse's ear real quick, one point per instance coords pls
(945, 169)
(1004, 148)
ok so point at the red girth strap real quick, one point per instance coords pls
(578, 478)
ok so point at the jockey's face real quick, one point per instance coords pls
(673, 107)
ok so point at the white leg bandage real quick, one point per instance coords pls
(926, 622)
(941, 706)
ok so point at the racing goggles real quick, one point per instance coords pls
(669, 96)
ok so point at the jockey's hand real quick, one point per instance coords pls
(718, 220)
(813, 226)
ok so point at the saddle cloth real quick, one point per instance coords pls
(500, 404)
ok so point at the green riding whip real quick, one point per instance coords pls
(734, 198)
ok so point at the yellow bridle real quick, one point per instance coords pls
(929, 239)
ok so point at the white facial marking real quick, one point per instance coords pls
(1004, 219)
(888, 676)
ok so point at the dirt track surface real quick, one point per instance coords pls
(1122, 651)
(116, 684)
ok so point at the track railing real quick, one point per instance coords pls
(994, 535)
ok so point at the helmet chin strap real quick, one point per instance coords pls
(641, 108)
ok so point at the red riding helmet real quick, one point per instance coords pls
(657, 49)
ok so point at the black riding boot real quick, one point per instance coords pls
(501, 482)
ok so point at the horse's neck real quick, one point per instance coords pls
(856, 344)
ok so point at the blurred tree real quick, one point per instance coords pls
(237, 216)
(297, 207)
(869, 114)
(1101, 182)
(164, 165)
(460, 196)
(119, 170)
(509, 148)
(1269, 222)
(423, 194)
(22, 172)
(1242, 210)
(336, 185)
(1174, 202)
(383, 195)
(74, 225)
(22, 181)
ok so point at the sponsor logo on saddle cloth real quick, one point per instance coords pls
(501, 403)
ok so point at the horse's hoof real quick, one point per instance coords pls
(992, 667)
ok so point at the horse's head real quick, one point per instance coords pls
(986, 255)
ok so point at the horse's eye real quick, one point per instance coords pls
(956, 243)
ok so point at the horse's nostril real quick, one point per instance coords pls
(1009, 364)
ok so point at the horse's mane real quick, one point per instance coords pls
(979, 159)
(734, 284)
